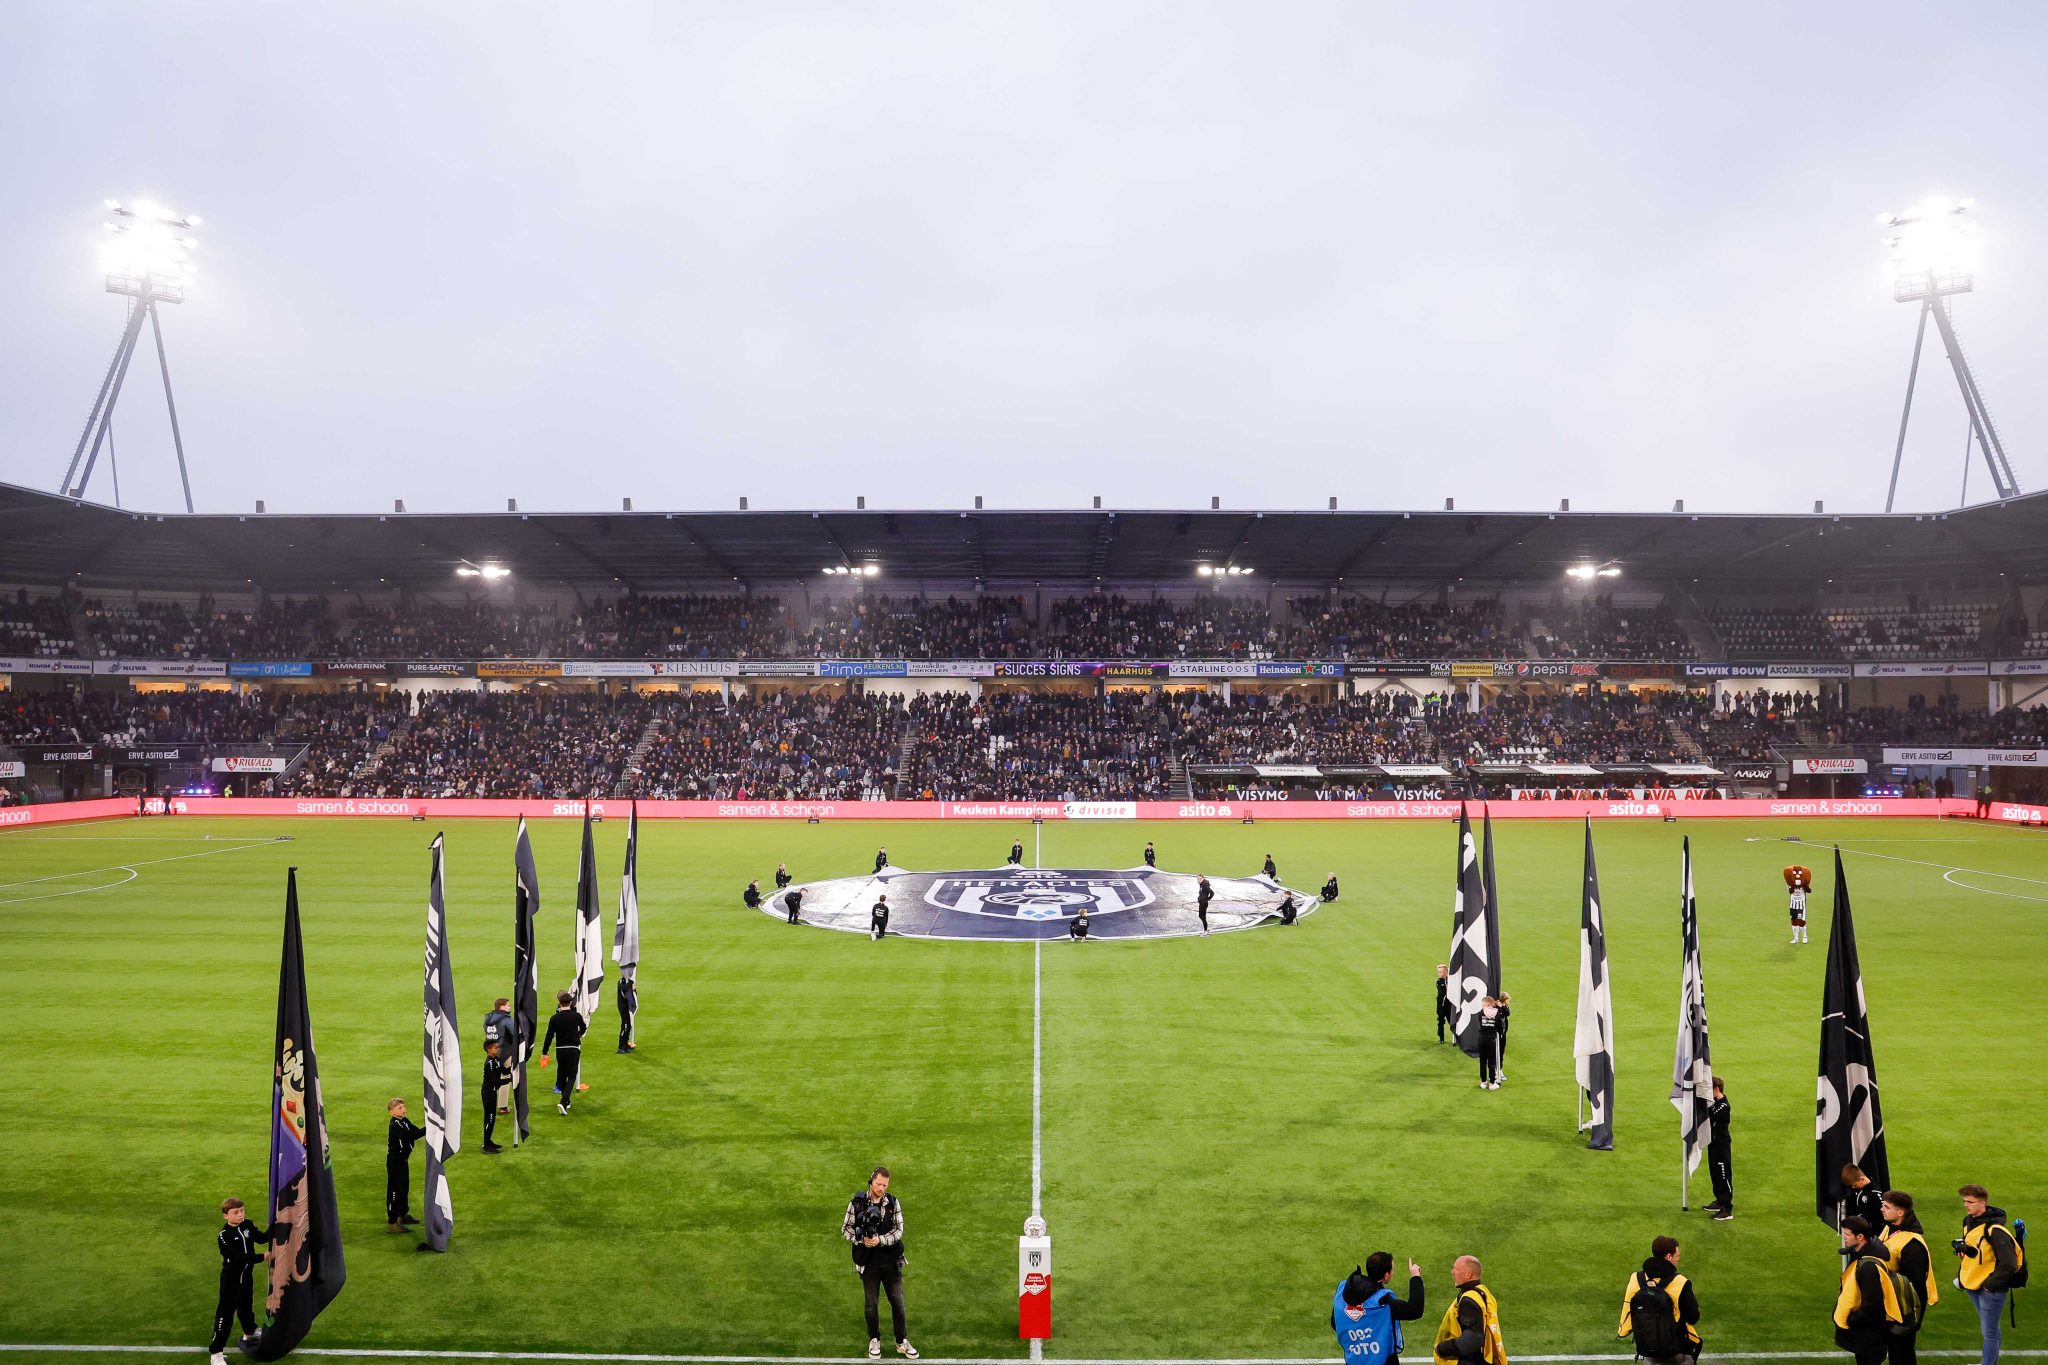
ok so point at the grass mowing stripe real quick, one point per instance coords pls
(130, 867)
(390, 1353)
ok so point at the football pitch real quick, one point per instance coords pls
(1228, 1125)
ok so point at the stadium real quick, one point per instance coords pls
(1086, 867)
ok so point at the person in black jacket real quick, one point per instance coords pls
(1721, 1154)
(238, 1260)
(1489, 1044)
(627, 994)
(1861, 1326)
(1989, 1263)
(1861, 1198)
(1443, 1000)
(1660, 1272)
(1330, 889)
(751, 897)
(874, 1225)
(565, 1040)
(497, 1076)
(881, 859)
(1372, 1277)
(1290, 909)
(1271, 871)
(1016, 853)
(1151, 854)
(878, 918)
(1204, 893)
(1500, 1056)
(398, 1142)
(782, 877)
(793, 901)
(1468, 1311)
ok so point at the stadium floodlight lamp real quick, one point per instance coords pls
(1205, 570)
(1931, 250)
(1581, 571)
(147, 253)
(496, 571)
(870, 570)
(467, 571)
(1611, 571)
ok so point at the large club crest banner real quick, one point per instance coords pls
(305, 1269)
(1474, 959)
(440, 1059)
(1848, 1125)
(1043, 903)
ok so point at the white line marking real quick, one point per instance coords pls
(82, 890)
(596, 1358)
(1950, 877)
(1944, 867)
(1037, 1079)
(140, 862)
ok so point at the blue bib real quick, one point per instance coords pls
(1368, 1334)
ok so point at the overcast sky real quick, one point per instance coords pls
(571, 252)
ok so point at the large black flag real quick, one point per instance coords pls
(525, 975)
(305, 1268)
(1593, 1036)
(589, 925)
(1473, 975)
(1848, 1127)
(1692, 1061)
(1492, 903)
(626, 936)
(440, 1060)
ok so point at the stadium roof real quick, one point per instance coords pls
(46, 539)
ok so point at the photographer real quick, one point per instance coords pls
(874, 1225)
(1905, 1249)
(1367, 1314)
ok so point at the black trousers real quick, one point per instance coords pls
(1721, 1166)
(568, 1061)
(490, 1112)
(397, 1189)
(1443, 1016)
(1487, 1065)
(626, 1027)
(235, 1301)
(1905, 1349)
(1500, 1052)
(876, 1276)
(792, 912)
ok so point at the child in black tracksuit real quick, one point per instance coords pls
(565, 1040)
(238, 1261)
(398, 1167)
(497, 1076)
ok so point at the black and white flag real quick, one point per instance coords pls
(440, 1062)
(589, 926)
(1593, 1037)
(1473, 974)
(1692, 1068)
(525, 976)
(1848, 1127)
(626, 934)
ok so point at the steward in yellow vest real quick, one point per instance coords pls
(1470, 1331)
(1674, 1335)
(1905, 1245)
(1991, 1254)
(1868, 1305)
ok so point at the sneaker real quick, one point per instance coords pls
(906, 1350)
(217, 1358)
(492, 1149)
(409, 1220)
(394, 1227)
(561, 1109)
(874, 1348)
(1723, 1215)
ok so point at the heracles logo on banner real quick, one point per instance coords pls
(1038, 895)
(1024, 904)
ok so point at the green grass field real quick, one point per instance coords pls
(1229, 1124)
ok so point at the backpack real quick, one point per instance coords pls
(2019, 1237)
(1653, 1322)
(1912, 1308)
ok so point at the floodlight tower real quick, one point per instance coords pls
(1932, 257)
(147, 259)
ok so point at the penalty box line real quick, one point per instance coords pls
(646, 1358)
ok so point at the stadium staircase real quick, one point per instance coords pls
(88, 643)
(906, 760)
(651, 732)
(1179, 785)
(375, 758)
(1686, 744)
